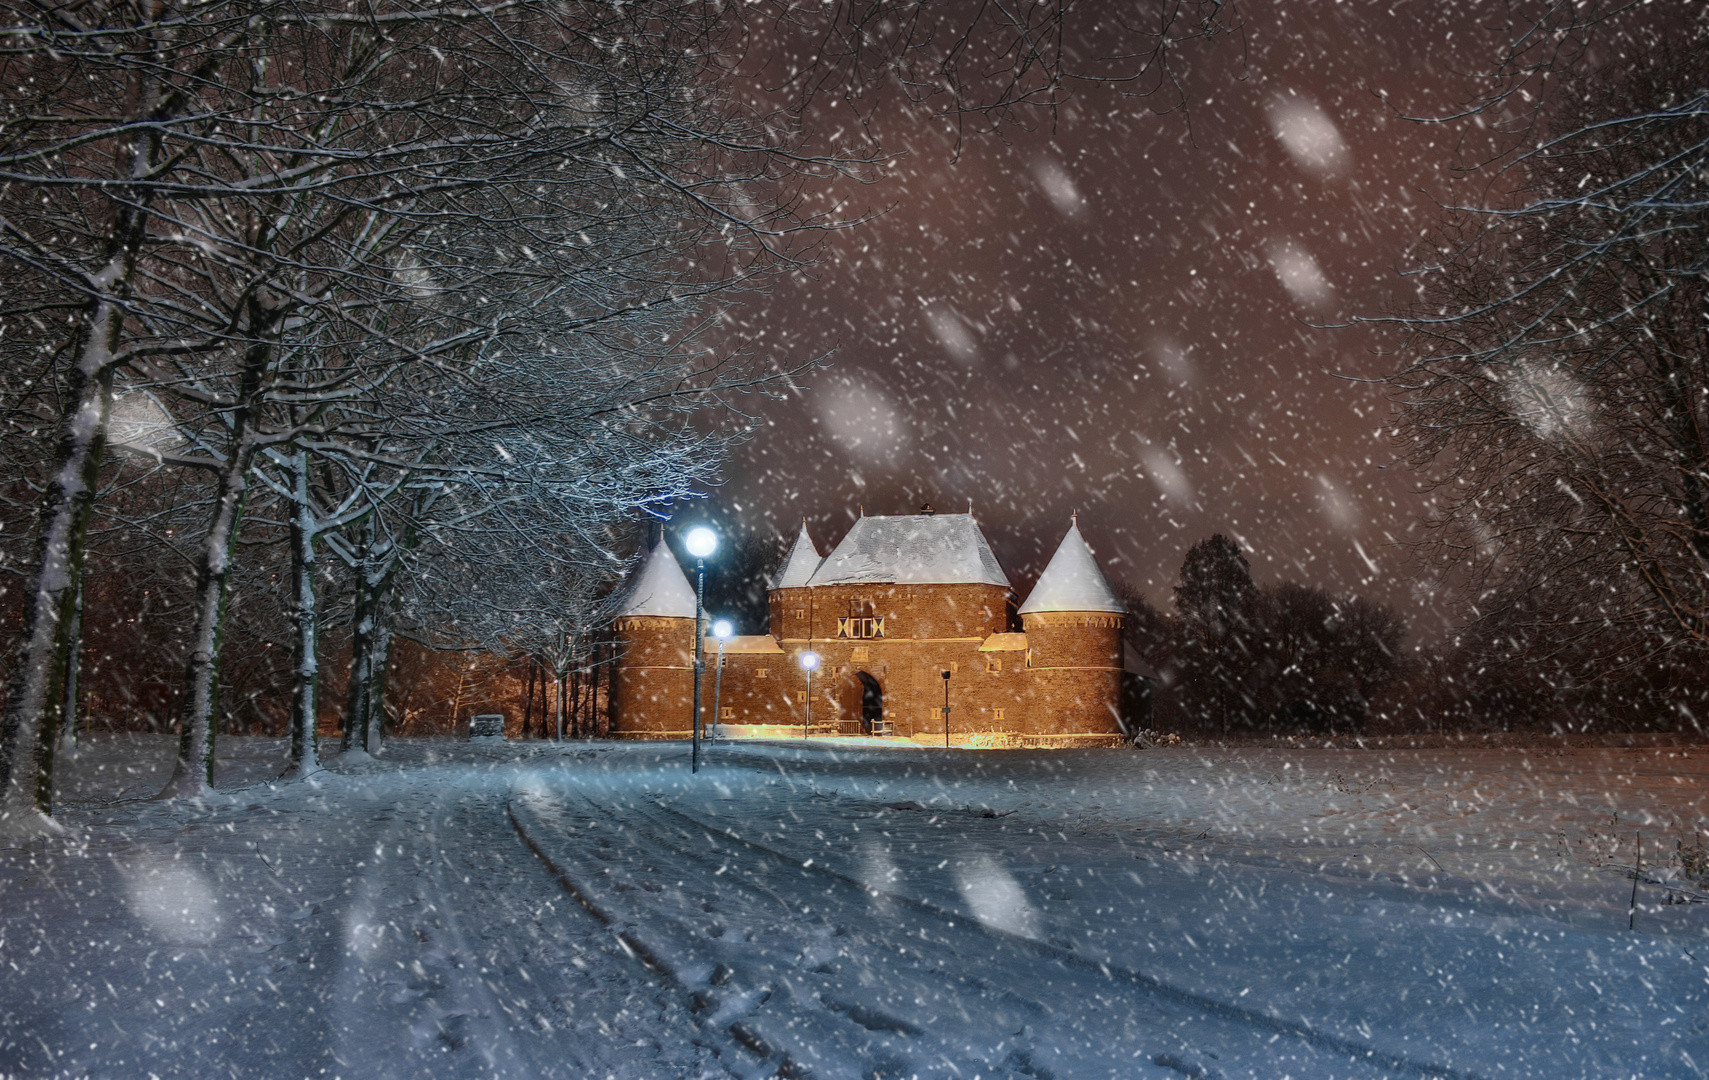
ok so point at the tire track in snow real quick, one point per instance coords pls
(1070, 958)
(724, 996)
(453, 961)
(954, 965)
(757, 994)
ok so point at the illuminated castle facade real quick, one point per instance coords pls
(898, 602)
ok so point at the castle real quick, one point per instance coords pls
(900, 601)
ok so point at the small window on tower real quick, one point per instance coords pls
(997, 714)
(728, 712)
(800, 613)
(762, 673)
(993, 664)
(800, 697)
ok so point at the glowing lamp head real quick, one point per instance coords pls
(700, 541)
(722, 629)
(809, 660)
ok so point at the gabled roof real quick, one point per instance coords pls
(799, 564)
(935, 549)
(1072, 580)
(660, 588)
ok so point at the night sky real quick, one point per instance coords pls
(1113, 313)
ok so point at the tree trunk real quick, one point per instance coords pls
(596, 727)
(379, 662)
(73, 668)
(305, 688)
(528, 695)
(561, 673)
(193, 773)
(361, 656)
(542, 681)
(35, 698)
(579, 728)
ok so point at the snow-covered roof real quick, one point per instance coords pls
(799, 564)
(923, 549)
(660, 588)
(1072, 580)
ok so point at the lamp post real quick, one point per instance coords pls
(946, 708)
(809, 661)
(721, 629)
(700, 542)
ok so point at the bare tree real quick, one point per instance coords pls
(1555, 391)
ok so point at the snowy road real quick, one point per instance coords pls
(863, 913)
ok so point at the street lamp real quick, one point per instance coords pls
(946, 708)
(809, 661)
(700, 542)
(721, 629)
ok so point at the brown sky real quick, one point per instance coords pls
(1111, 314)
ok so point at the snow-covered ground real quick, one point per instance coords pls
(846, 910)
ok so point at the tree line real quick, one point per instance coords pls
(1235, 658)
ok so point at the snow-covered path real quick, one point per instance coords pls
(846, 911)
(380, 923)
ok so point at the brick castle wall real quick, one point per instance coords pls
(1075, 659)
(1062, 678)
(654, 680)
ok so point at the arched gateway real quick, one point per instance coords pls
(871, 705)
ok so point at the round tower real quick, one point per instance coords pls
(1073, 625)
(653, 690)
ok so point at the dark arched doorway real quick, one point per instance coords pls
(871, 704)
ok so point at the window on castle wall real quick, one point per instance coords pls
(727, 712)
(800, 613)
(762, 673)
(993, 664)
(800, 697)
(999, 714)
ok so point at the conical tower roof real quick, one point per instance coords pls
(660, 588)
(1072, 581)
(799, 564)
